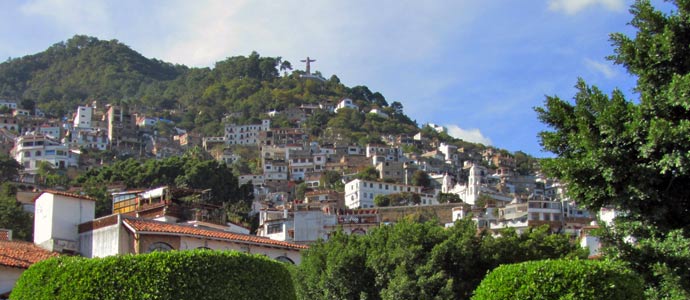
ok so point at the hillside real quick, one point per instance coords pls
(238, 89)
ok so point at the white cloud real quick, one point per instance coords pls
(572, 7)
(470, 135)
(601, 67)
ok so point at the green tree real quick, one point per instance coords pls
(9, 168)
(369, 173)
(421, 178)
(13, 216)
(382, 200)
(300, 190)
(331, 180)
(412, 260)
(449, 198)
(634, 155)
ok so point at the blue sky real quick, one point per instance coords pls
(476, 67)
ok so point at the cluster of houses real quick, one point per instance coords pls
(167, 218)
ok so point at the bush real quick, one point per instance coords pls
(198, 274)
(561, 279)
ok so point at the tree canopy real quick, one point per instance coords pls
(634, 155)
(411, 260)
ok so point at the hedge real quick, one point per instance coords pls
(198, 274)
(561, 279)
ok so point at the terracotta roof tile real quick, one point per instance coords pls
(5, 234)
(60, 193)
(19, 254)
(155, 226)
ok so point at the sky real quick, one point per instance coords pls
(477, 68)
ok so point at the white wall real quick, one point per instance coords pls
(57, 217)
(189, 243)
(309, 225)
(102, 242)
(8, 277)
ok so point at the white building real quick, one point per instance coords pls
(82, 119)
(450, 152)
(387, 152)
(21, 112)
(303, 225)
(245, 134)
(52, 131)
(9, 123)
(65, 223)
(378, 112)
(346, 103)
(361, 193)
(29, 150)
(8, 104)
(57, 217)
(91, 139)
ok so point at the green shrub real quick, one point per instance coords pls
(561, 279)
(198, 274)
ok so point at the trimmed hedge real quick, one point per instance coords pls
(561, 279)
(197, 274)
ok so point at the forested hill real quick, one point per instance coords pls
(68, 73)
(84, 69)
(239, 89)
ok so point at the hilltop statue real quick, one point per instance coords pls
(308, 61)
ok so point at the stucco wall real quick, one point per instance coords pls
(188, 243)
(106, 241)
(8, 277)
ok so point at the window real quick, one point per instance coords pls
(27, 154)
(274, 228)
(38, 153)
(285, 259)
(159, 246)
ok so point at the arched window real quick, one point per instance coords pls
(285, 259)
(159, 246)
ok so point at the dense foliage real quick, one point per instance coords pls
(418, 261)
(635, 155)
(13, 216)
(197, 274)
(84, 68)
(188, 171)
(561, 279)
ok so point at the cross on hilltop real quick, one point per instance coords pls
(308, 61)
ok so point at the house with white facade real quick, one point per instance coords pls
(83, 117)
(10, 123)
(64, 223)
(245, 134)
(361, 193)
(9, 104)
(21, 112)
(306, 224)
(346, 103)
(29, 150)
(379, 112)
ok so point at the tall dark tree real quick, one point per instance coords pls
(13, 216)
(9, 168)
(635, 155)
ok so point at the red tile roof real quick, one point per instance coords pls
(59, 193)
(5, 234)
(19, 254)
(161, 227)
